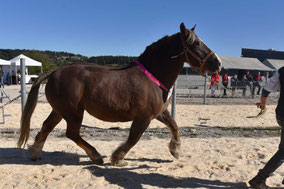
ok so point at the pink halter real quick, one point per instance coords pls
(149, 75)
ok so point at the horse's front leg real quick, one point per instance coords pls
(139, 125)
(175, 143)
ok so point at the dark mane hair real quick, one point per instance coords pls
(160, 46)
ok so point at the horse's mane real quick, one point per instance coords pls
(160, 45)
(122, 67)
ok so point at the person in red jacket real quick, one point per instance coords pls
(215, 78)
(225, 83)
(257, 79)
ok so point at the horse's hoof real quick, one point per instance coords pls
(175, 154)
(99, 161)
(96, 158)
(34, 155)
(119, 163)
(174, 147)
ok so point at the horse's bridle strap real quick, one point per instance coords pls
(187, 50)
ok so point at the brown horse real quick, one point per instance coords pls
(118, 94)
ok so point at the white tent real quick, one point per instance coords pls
(28, 61)
(4, 62)
(14, 66)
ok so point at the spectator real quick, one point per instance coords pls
(14, 78)
(249, 81)
(8, 78)
(215, 78)
(234, 84)
(243, 85)
(1, 77)
(257, 79)
(225, 83)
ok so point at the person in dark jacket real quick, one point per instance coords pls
(243, 85)
(249, 82)
(234, 84)
(273, 85)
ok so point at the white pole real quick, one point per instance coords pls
(205, 88)
(23, 83)
(174, 101)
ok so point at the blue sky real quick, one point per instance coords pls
(126, 27)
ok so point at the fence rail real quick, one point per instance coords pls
(193, 86)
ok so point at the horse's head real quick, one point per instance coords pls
(197, 54)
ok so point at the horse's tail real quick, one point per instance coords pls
(29, 108)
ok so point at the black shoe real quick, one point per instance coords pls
(257, 183)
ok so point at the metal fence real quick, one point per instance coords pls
(193, 86)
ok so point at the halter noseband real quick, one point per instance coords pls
(187, 50)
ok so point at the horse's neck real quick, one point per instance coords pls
(161, 65)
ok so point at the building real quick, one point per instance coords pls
(262, 55)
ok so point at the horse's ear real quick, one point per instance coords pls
(192, 29)
(183, 29)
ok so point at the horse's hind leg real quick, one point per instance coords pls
(48, 125)
(174, 145)
(137, 129)
(73, 132)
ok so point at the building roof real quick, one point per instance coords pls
(262, 55)
(4, 62)
(242, 63)
(28, 61)
(274, 63)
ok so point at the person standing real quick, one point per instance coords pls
(1, 77)
(249, 82)
(225, 83)
(8, 78)
(215, 78)
(14, 77)
(234, 84)
(274, 84)
(244, 83)
(257, 79)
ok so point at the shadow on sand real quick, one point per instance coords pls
(22, 156)
(126, 178)
(123, 177)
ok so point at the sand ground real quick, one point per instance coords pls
(223, 162)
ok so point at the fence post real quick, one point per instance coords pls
(23, 83)
(174, 101)
(205, 89)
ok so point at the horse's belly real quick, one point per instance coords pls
(110, 115)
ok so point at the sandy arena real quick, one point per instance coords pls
(226, 160)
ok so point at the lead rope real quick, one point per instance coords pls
(231, 91)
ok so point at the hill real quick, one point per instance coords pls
(54, 59)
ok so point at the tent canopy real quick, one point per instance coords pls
(242, 63)
(274, 63)
(28, 61)
(4, 62)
